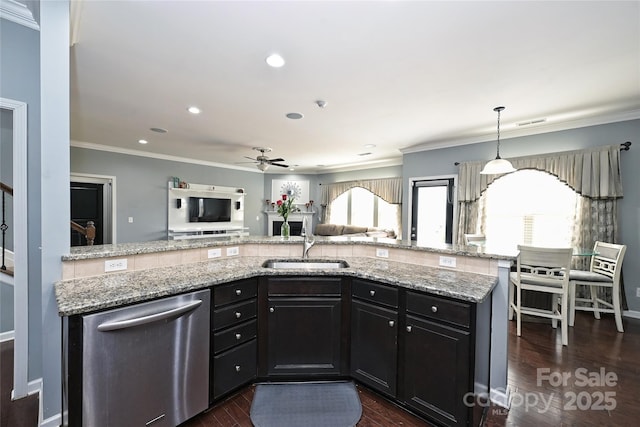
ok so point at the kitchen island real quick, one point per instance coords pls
(463, 292)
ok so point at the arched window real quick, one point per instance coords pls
(359, 206)
(529, 207)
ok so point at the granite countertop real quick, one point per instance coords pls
(78, 296)
(125, 249)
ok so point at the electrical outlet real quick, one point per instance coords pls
(448, 261)
(130, 220)
(382, 253)
(214, 253)
(115, 265)
(637, 292)
(233, 251)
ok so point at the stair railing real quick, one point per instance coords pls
(89, 232)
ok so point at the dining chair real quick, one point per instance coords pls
(471, 239)
(544, 270)
(604, 272)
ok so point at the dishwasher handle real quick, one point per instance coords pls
(137, 321)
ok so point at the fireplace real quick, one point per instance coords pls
(296, 227)
(274, 222)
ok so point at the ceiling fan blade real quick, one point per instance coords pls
(279, 159)
(278, 164)
(250, 158)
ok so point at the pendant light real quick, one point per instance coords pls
(498, 165)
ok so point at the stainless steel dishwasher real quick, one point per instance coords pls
(146, 364)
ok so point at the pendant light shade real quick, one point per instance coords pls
(498, 165)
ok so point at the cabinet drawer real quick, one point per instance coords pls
(235, 335)
(375, 292)
(297, 286)
(228, 316)
(234, 368)
(234, 292)
(436, 308)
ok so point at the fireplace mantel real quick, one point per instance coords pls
(295, 216)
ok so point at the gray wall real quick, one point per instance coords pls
(54, 193)
(20, 81)
(141, 189)
(441, 162)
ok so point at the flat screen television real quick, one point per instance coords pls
(209, 209)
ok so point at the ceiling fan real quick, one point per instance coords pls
(263, 162)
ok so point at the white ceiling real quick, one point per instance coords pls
(401, 75)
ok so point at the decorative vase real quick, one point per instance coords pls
(285, 230)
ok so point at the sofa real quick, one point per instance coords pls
(352, 231)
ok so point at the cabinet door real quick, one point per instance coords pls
(233, 369)
(436, 370)
(374, 351)
(304, 336)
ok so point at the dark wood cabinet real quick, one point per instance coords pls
(437, 358)
(304, 328)
(233, 337)
(374, 336)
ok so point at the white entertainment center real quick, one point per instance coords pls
(200, 210)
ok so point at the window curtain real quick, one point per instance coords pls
(388, 189)
(593, 173)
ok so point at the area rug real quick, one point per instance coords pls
(308, 404)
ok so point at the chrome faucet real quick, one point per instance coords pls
(308, 239)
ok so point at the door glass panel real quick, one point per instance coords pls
(432, 215)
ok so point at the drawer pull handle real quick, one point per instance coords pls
(434, 308)
(238, 314)
(271, 310)
(237, 368)
(238, 292)
(392, 323)
(372, 293)
(238, 336)
(408, 328)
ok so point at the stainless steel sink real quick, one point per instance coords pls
(305, 263)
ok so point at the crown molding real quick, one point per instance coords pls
(130, 152)
(537, 129)
(19, 13)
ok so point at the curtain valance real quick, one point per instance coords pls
(593, 173)
(388, 189)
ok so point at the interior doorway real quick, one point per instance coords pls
(92, 199)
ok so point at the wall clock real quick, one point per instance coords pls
(299, 190)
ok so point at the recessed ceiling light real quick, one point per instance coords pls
(369, 145)
(159, 130)
(275, 60)
(194, 110)
(294, 116)
(143, 141)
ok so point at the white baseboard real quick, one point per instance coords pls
(631, 313)
(54, 421)
(500, 397)
(7, 336)
(35, 387)
(479, 388)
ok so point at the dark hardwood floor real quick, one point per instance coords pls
(14, 413)
(601, 368)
